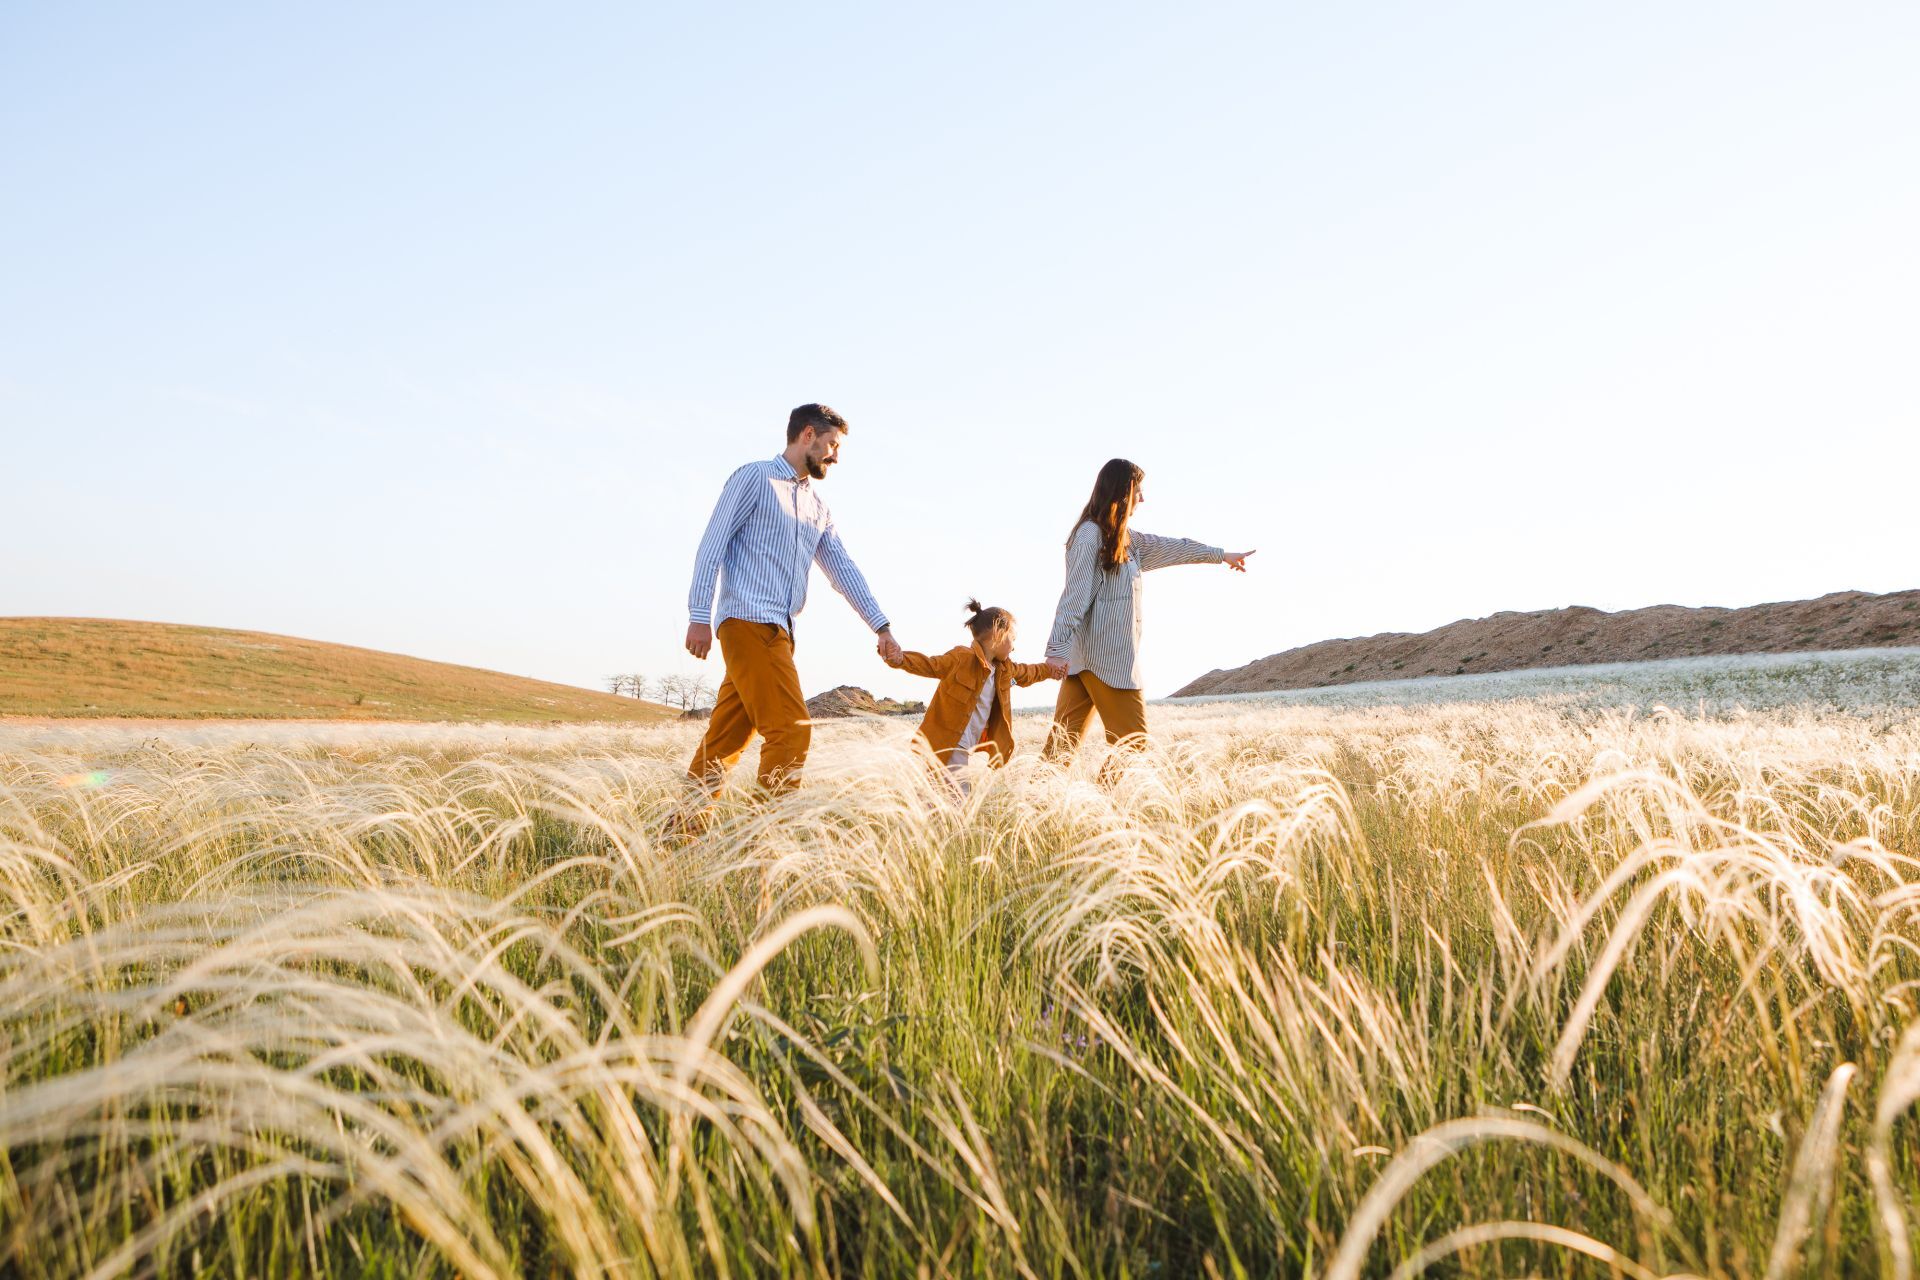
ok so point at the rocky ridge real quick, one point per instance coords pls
(1578, 636)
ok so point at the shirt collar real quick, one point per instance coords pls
(786, 468)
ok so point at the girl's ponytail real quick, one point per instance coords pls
(986, 619)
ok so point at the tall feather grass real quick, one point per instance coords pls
(1313, 991)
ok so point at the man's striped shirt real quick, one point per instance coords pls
(767, 532)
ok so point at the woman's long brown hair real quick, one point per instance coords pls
(1109, 507)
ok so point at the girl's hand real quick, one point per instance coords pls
(1237, 560)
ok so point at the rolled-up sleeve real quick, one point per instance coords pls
(729, 513)
(844, 574)
(1070, 615)
(1156, 552)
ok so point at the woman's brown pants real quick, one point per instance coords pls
(1123, 714)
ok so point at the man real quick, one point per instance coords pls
(768, 530)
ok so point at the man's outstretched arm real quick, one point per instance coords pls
(729, 513)
(845, 575)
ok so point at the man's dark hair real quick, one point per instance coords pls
(817, 416)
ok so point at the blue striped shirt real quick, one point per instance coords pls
(767, 532)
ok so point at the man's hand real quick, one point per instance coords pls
(1237, 560)
(1057, 667)
(699, 639)
(888, 648)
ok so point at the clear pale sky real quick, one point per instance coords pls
(436, 329)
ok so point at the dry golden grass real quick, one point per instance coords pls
(1491, 989)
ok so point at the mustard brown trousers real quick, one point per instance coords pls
(1123, 714)
(760, 694)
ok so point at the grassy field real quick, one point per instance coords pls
(93, 667)
(1505, 988)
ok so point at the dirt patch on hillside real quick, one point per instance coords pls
(1579, 636)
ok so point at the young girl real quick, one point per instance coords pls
(970, 709)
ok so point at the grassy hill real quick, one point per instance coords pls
(102, 667)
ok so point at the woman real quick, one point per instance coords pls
(1095, 643)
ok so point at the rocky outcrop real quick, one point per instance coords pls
(848, 700)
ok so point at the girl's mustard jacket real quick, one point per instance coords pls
(961, 671)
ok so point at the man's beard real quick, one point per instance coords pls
(816, 469)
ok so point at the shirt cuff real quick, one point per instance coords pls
(879, 623)
(700, 616)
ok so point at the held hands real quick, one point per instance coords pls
(699, 639)
(1057, 668)
(1236, 560)
(888, 648)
